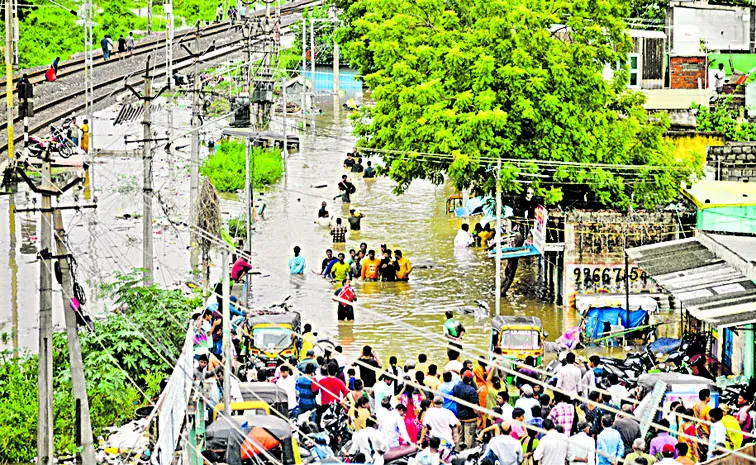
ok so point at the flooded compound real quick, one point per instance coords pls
(394, 317)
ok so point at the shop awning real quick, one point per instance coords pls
(711, 287)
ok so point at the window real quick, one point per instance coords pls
(514, 339)
(633, 62)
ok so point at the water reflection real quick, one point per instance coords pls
(414, 222)
(401, 318)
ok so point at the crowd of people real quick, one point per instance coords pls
(578, 414)
(121, 47)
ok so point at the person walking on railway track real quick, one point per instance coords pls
(55, 64)
(130, 43)
(121, 47)
(219, 13)
(107, 47)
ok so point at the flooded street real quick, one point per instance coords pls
(395, 318)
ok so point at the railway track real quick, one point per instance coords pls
(65, 102)
(76, 65)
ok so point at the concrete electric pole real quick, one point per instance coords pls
(147, 139)
(147, 179)
(44, 371)
(9, 74)
(86, 440)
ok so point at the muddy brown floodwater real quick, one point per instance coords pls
(401, 319)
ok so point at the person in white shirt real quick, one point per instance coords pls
(288, 382)
(552, 448)
(340, 357)
(526, 401)
(382, 389)
(369, 442)
(429, 455)
(719, 79)
(502, 401)
(717, 434)
(581, 448)
(391, 424)
(464, 238)
(441, 422)
(616, 390)
(507, 449)
(569, 376)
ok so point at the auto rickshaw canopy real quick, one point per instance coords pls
(518, 332)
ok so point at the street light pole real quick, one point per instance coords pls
(498, 237)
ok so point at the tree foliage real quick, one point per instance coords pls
(132, 350)
(480, 80)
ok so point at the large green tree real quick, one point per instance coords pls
(522, 80)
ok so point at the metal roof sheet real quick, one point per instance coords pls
(711, 289)
(707, 193)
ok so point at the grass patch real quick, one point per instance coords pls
(225, 167)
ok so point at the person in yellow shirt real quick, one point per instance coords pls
(340, 270)
(85, 136)
(308, 341)
(734, 433)
(371, 267)
(431, 379)
(486, 235)
(404, 266)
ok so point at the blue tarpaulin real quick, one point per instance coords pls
(596, 317)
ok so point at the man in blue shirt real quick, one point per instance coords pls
(296, 263)
(609, 445)
(445, 390)
(466, 414)
(305, 395)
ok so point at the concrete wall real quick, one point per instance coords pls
(735, 161)
(594, 243)
(687, 71)
(720, 27)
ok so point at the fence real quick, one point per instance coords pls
(167, 418)
(732, 459)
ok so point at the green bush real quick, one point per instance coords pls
(127, 354)
(225, 167)
(724, 120)
(237, 227)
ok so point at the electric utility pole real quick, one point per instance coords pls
(15, 34)
(169, 35)
(84, 436)
(194, 163)
(9, 74)
(149, 17)
(498, 237)
(45, 368)
(304, 70)
(147, 139)
(195, 147)
(226, 333)
(147, 248)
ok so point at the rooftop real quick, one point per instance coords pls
(716, 194)
(707, 274)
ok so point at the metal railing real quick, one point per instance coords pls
(165, 423)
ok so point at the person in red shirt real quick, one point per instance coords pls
(332, 388)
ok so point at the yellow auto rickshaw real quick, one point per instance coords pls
(518, 337)
(258, 399)
(264, 439)
(270, 339)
